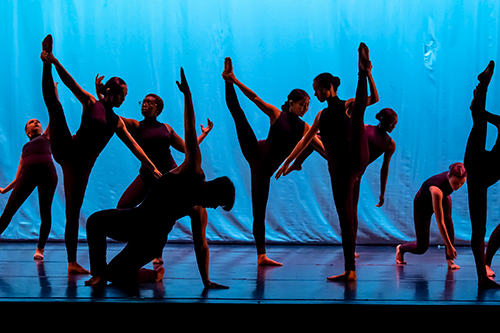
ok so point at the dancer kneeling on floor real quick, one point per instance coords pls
(433, 197)
(145, 228)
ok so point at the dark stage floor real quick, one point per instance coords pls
(425, 280)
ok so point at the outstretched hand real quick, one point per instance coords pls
(99, 85)
(228, 74)
(183, 86)
(283, 171)
(48, 57)
(209, 127)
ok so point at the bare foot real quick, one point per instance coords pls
(75, 268)
(489, 271)
(400, 260)
(38, 254)
(486, 75)
(346, 276)
(47, 44)
(160, 271)
(96, 281)
(364, 62)
(485, 282)
(452, 265)
(263, 260)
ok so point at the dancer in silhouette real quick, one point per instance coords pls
(77, 153)
(265, 156)
(145, 228)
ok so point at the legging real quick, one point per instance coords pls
(75, 163)
(482, 172)
(422, 218)
(262, 166)
(44, 177)
(345, 174)
(145, 236)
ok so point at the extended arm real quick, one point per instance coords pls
(83, 96)
(437, 205)
(13, 183)
(270, 110)
(131, 144)
(178, 143)
(384, 172)
(192, 160)
(301, 145)
(199, 220)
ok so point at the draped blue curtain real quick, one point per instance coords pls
(425, 54)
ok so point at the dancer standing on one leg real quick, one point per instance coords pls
(482, 172)
(433, 197)
(77, 154)
(347, 151)
(145, 228)
(36, 169)
(265, 156)
(155, 139)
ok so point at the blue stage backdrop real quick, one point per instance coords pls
(425, 54)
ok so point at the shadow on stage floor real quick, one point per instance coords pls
(425, 280)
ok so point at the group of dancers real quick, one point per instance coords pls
(163, 191)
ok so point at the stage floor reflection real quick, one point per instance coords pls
(425, 280)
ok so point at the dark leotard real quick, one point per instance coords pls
(423, 210)
(154, 138)
(76, 153)
(145, 228)
(347, 152)
(263, 156)
(37, 170)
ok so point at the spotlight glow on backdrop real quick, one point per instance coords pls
(425, 54)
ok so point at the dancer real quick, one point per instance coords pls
(155, 139)
(170, 198)
(379, 143)
(265, 156)
(433, 197)
(346, 148)
(35, 169)
(77, 154)
(482, 172)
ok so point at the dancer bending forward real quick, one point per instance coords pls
(433, 197)
(145, 228)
